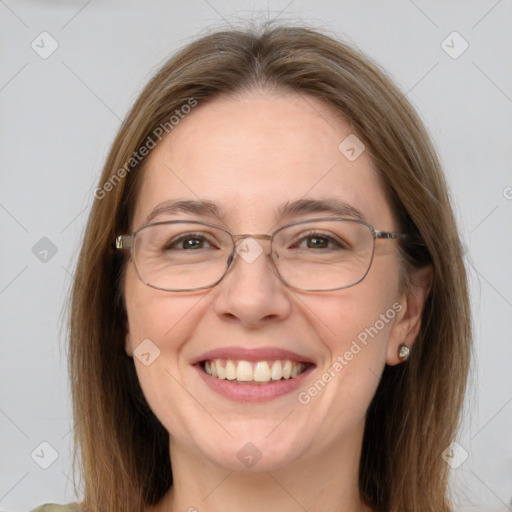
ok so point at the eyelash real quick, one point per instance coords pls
(298, 240)
(183, 237)
(316, 234)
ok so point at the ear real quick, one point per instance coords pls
(128, 346)
(408, 321)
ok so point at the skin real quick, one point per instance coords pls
(249, 155)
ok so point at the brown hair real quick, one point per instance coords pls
(120, 446)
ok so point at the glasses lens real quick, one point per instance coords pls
(316, 255)
(323, 255)
(181, 255)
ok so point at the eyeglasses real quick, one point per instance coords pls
(309, 255)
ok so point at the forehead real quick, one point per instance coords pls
(252, 154)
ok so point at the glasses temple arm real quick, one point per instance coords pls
(124, 242)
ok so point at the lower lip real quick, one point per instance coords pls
(253, 392)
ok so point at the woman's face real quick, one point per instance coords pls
(250, 156)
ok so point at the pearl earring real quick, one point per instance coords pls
(403, 352)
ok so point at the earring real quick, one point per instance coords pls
(403, 352)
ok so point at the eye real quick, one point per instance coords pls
(319, 241)
(188, 241)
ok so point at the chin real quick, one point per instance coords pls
(252, 457)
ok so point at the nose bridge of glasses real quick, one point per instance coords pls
(250, 253)
(238, 239)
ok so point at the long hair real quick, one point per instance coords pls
(121, 448)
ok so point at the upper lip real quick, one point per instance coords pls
(251, 354)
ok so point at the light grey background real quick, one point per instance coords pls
(58, 118)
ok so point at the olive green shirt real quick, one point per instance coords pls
(51, 507)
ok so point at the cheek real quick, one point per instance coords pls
(356, 320)
(354, 327)
(354, 332)
(159, 325)
(158, 315)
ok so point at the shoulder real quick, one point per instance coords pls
(50, 507)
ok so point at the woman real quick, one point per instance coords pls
(270, 307)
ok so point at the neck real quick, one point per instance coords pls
(326, 481)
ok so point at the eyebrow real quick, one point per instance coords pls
(329, 206)
(199, 207)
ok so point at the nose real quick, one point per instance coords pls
(251, 292)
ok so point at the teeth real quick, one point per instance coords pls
(287, 369)
(259, 371)
(219, 370)
(277, 371)
(244, 371)
(230, 370)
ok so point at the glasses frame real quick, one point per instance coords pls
(123, 242)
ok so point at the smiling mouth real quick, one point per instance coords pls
(253, 372)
